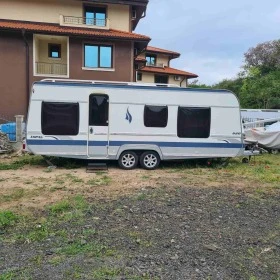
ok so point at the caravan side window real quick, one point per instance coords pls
(98, 110)
(194, 122)
(155, 116)
(60, 118)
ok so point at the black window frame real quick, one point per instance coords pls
(191, 132)
(94, 10)
(98, 61)
(148, 60)
(90, 119)
(50, 50)
(149, 121)
(47, 116)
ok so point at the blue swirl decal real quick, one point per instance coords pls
(128, 116)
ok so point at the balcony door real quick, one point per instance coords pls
(161, 79)
(95, 15)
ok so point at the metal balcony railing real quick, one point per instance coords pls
(88, 22)
(44, 68)
(159, 65)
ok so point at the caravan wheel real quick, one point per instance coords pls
(150, 160)
(128, 160)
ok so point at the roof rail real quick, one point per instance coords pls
(107, 83)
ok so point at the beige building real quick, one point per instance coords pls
(85, 40)
(153, 66)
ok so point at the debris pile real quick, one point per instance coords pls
(5, 146)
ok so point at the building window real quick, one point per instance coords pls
(98, 110)
(60, 118)
(161, 79)
(98, 56)
(54, 51)
(194, 122)
(155, 116)
(139, 76)
(95, 16)
(151, 59)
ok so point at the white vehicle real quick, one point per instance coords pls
(132, 122)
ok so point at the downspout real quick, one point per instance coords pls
(27, 65)
(182, 81)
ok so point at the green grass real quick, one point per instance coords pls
(7, 276)
(15, 195)
(103, 181)
(7, 218)
(60, 207)
(105, 273)
(265, 169)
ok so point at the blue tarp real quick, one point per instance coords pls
(10, 130)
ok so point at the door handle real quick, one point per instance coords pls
(91, 130)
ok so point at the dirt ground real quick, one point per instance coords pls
(182, 221)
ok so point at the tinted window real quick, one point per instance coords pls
(98, 110)
(151, 59)
(60, 118)
(98, 56)
(155, 116)
(194, 122)
(95, 16)
(139, 76)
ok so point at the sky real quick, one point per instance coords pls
(212, 36)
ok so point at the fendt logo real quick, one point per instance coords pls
(128, 116)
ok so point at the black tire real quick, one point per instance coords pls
(128, 160)
(150, 160)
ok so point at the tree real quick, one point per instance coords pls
(261, 91)
(265, 56)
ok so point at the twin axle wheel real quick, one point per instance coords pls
(148, 160)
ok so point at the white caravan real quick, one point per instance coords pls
(132, 122)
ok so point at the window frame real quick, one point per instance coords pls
(192, 108)
(139, 75)
(146, 107)
(161, 76)
(149, 62)
(50, 46)
(77, 129)
(98, 58)
(92, 7)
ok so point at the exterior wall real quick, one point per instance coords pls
(147, 78)
(13, 82)
(42, 52)
(150, 78)
(50, 11)
(39, 10)
(161, 58)
(119, 16)
(122, 57)
(13, 93)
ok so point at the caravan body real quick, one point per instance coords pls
(99, 120)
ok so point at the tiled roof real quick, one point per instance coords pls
(56, 28)
(139, 59)
(158, 50)
(168, 71)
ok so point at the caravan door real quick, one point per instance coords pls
(98, 139)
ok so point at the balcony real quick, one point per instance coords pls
(157, 65)
(51, 56)
(84, 22)
(57, 69)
